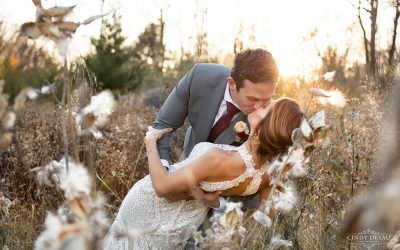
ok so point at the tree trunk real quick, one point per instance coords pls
(374, 28)
(161, 52)
(366, 42)
(395, 22)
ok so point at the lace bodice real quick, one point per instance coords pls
(168, 225)
(256, 174)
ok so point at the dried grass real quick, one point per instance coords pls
(118, 161)
(38, 140)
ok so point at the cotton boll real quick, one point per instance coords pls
(77, 181)
(74, 182)
(96, 134)
(51, 173)
(277, 242)
(9, 120)
(95, 115)
(335, 98)
(48, 89)
(101, 105)
(80, 206)
(232, 214)
(75, 241)
(31, 93)
(328, 76)
(298, 171)
(306, 129)
(262, 218)
(318, 120)
(286, 200)
(62, 49)
(275, 166)
(44, 175)
(296, 159)
(49, 238)
(296, 156)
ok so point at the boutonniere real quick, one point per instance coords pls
(241, 132)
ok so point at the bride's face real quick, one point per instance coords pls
(255, 117)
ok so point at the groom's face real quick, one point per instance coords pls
(252, 96)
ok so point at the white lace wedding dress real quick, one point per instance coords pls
(164, 225)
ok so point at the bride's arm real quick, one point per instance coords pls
(182, 179)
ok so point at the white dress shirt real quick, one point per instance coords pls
(222, 107)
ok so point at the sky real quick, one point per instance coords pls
(282, 27)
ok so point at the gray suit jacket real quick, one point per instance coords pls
(197, 96)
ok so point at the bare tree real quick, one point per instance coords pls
(371, 8)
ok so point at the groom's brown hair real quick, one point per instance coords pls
(255, 65)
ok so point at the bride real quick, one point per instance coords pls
(235, 171)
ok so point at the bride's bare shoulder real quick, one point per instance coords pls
(223, 164)
(221, 157)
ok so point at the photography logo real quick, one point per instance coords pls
(369, 239)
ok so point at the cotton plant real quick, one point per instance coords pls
(81, 222)
(283, 196)
(226, 229)
(51, 24)
(94, 116)
(282, 170)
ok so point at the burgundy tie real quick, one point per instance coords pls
(223, 122)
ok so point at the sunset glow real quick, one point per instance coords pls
(294, 31)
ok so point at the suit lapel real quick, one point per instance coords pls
(210, 110)
(227, 137)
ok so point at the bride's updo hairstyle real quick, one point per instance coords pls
(275, 130)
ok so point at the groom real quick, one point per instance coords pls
(214, 98)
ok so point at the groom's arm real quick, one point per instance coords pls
(249, 202)
(174, 112)
(212, 199)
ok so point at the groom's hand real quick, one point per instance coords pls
(178, 197)
(210, 198)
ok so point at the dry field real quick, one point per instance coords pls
(340, 169)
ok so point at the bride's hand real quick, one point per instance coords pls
(153, 135)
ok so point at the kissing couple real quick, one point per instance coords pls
(172, 202)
